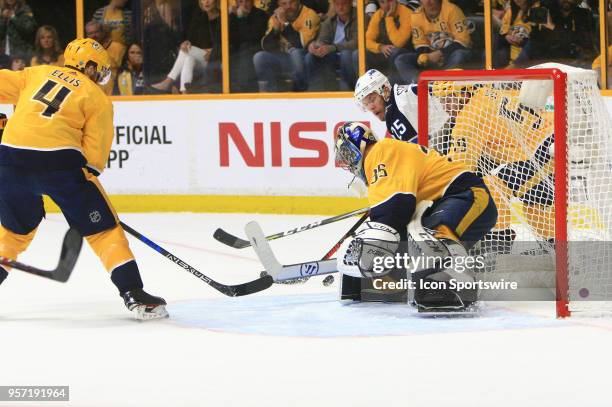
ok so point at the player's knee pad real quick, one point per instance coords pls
(13, 244)
(370, 253)
(112, 247)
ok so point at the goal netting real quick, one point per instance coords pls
(541, 139)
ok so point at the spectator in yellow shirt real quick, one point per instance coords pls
(387, 36)
(130, 80)
(290, 29)
(118, 18)
(47, 50)
(116, 50)
(440, 37)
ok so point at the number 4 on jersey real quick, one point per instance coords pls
(53, 105)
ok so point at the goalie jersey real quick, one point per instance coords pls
(402, 174)
(62, 120)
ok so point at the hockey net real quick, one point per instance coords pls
(542, 140)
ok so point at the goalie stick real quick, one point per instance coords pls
(274, 268)
(283, 273)
(238, 243)
(71, 247)
(238, 290)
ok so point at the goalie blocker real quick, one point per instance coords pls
(400, 175)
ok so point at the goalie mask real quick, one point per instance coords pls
(352, 139)
(364, 256)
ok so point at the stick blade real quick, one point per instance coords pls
(71, 248)
(230, 240)
(251, 287)
(262, 248)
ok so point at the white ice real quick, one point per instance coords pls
(287, 346)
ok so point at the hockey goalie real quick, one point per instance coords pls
(402, 179)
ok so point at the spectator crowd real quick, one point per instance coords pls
(174, 46)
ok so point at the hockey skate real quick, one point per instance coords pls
(440, 302)
(145, 306)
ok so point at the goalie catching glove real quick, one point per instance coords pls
(365, 254)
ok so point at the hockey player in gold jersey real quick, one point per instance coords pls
(400, 177)
(485, 137)
(56, 143)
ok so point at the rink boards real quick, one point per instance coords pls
(231, 155)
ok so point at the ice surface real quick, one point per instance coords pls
(287, 346)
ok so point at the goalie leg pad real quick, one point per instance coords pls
(359, 261)
(434, 288)
(364, 255)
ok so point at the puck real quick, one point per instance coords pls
(327, 281)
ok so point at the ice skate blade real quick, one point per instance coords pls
(146, 313)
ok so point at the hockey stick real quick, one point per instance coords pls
(238, 243)
(330, 279)
(283, 273)
(230, 290)
(352, 230)
(274, 268)
(71, 247)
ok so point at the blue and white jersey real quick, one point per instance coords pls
(402, 113)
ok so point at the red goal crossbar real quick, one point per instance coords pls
(559, 79)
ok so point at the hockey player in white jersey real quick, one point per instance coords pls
(397, 106)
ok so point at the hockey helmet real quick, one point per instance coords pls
(83, 52)
(369, 82)
(351, 140)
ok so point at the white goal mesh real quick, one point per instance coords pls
(503, 125)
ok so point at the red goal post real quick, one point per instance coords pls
(559, 79)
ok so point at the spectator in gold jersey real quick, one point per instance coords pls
(118, 18)
(116, 50)
(387, 36)
(130, 80)
(290, 29)
(440, 37)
